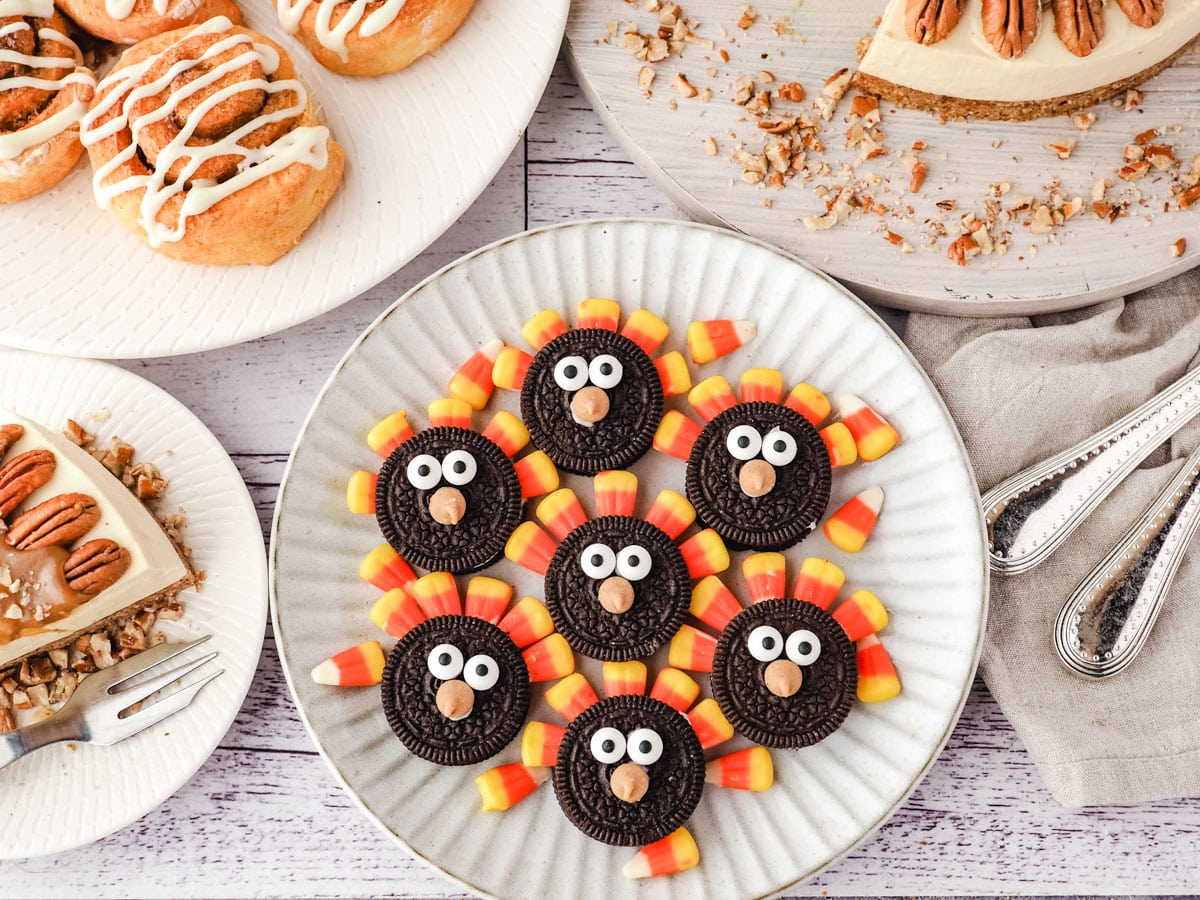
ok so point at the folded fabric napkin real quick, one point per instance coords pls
(1022, 389)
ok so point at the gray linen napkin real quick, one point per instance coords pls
(1022, 389)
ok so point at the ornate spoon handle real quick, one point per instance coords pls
(1106, 621)
(1030, 514)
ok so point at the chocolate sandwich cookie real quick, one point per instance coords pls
(617, 588)
(630, 770)
(448, 498)
(455, 690)
(759, 475)
(784, 673)
(591, 400)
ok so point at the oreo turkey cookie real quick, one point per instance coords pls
(630, 770)
(759, 475)
(784, 673)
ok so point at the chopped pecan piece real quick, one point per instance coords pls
(929, 21)
(1010, 25)
(1079, 24)
(1143, 13)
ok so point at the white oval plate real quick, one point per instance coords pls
(926, 559)
(69, 795)
(421, 145)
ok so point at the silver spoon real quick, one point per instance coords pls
(1030, 514)
(1107, 619)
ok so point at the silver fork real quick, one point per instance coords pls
(107, 708)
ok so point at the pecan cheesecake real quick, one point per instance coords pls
(1021, 59)
(78, 548)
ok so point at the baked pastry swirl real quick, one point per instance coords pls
(206, 146)
(44, 90)
(371, 37)
(130, 21)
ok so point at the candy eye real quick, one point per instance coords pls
(645, 746)
(606, 371)
(634, 563)
(597, 561)
(445, 662)
(779, 447)
(481, 672)
(765, 643)
(743, 442)
(803, 647)
(571, 373)
(608, 745)
(424, 472)
(459, 467)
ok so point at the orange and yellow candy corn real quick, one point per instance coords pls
(616, 492)
(384, 568)
(543, 328)
(448, 412)
(530, 547)
(673, 373)
(671, 513)
(710, 723)
(504, 786)
(598, 312)
(818, 582)
(712, 339)
(746, 770)
(537, 474)
(472, 382)
(540, 742)
(397, 613)
(850, 526)
(390, 434)
(861, 614)
(437, 595)
(676, 434)
(510, 368)
(571, 696)
(360, 665)
(676, 689)
(713, 603)
(624, 678)
(877, 678)
(692, 649)
(676, 852)
(765, 576)
(561, 512)
(761, 385)
(507, 432)
(840, 444)
(872, 434)
(711, 397)
(487, 598)
(705, 554)
(646, 330)
(528, 621)
(360, 493)
(549, 658)
(810, 403)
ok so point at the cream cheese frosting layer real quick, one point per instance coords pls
(965, 65)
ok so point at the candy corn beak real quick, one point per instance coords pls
(615, 594)
(756, 478)
(455, 699)
(783, 678)
(447, 506)
(629, 782)
(589, 406)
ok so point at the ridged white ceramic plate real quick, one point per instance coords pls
(68, 795)
(926, 558)
(421, 145)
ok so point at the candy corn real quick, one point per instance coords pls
(674, 853)
(818, 582)
(673, 373)
(437, 595)
(746, 770)
(571, 696)
(861, 614)
(765, 576)
(487, 598)
(561, 512)
(540, 742)
(597, 312)
(616, 493)
(507, 432)
(624, 678)
(872, 434)
(840, 444)
(709, 340)
(710, 723)
(504, 786)
(646, 330)
(543, 328)
(713, 603)
(397, 613)
(549, 658)
(692, 649)
(711, 397)
(705, 554)
(676, 434)
(537, 474)
(360, 492)
(384, 568)
(676, 689)
(358, 666)
(390, 434)
(472, 382)
(510, 368)
(530, 547)
(671, 513)
(450, 413)
(810, 403)
(526, 622)
(877, 678)
(765, 385)
(850, 526)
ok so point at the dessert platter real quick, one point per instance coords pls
(968, 157)
(488, 573)
(108, 533)
(332, 155)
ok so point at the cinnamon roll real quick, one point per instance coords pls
(205, 144)
(130, 21)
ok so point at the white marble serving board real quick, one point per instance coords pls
(1095, 260)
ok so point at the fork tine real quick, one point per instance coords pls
(145, 689)
(143, 662)
(167, 706)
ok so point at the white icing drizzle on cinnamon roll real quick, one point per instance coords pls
(331, 35)
(305, 145)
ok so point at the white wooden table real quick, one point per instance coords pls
(264, 816)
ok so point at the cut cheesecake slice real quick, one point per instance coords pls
(961, 74)
(55, 581)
